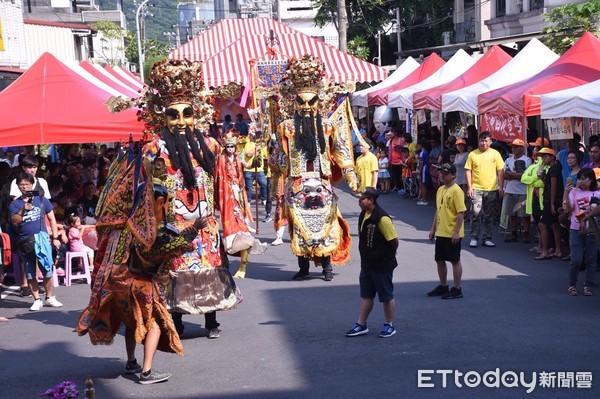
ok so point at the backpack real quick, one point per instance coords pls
(5, 249)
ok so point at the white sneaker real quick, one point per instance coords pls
(488, 243)
(251, 229)
(473, 243)
(53, 302)
(277, 241)
(422, 203)
(37, 305)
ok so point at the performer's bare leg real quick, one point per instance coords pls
(150, 345)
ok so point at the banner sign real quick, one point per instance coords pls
(504, 127)
(559, 128)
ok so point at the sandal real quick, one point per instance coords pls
(573, 291)
(587, 291)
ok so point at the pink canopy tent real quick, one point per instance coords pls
(579, 65)
(126, 80)
(101, 74)
(51, 104)
(494, 59)
(427, 68)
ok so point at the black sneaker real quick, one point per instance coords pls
(152, 377)
(454, 293)
(132, 367)
(327, 275)
(26, 292)
(301, 275)
(438, 291)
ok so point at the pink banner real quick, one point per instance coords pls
(503, 127)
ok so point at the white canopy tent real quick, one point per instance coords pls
(360, 98)
(534, 58)
(580, 101)
(456, 66)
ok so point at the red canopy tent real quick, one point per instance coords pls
(52, 104)
(579, 65)
(494, 59)
(427, 68)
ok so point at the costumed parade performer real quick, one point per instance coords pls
(234, 207)
(178, 110)
(309, 151)
(134, 245)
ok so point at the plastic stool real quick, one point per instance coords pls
(69, 275)
(15, 268)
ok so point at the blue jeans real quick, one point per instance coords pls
(583, 249)
(262, 183)
(483, 202)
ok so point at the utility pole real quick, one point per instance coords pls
(139, 38)
(342, 25)
(399, 32)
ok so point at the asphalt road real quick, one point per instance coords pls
(286, 340)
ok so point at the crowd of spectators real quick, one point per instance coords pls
(70, 176)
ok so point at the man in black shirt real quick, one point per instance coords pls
(378, 242)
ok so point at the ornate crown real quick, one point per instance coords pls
(306, 73)
(176, 81)
(230, 138)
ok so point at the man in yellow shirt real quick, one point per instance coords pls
(448, 230)
(485, 182)
(367, 168)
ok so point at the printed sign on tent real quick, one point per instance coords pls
(559, 128)
(504, 127)
(401, 114)
(436, 118)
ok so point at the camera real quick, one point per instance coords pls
(32, 193)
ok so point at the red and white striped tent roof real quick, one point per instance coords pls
(230, 61)
(222, 34)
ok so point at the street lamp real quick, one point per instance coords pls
(139, 39)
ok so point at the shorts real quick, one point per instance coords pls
(379, 283)
(547, 217)
(446, 251)
(509, 203)
(30, 262)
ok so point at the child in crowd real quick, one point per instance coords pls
(76, 233)
(408, 167)
(384, 174)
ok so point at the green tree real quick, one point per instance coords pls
(155, 51)
(569, 23)
(422, 21)
(358, 47)
(111, 41)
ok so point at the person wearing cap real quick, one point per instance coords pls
(551, 174)
(8, 155)
(448, 229)
(367, 168)
(539, 142)
(377, 244)
(515, 192)
(485, 181)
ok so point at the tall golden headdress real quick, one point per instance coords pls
(175, 81)
(306, 73)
